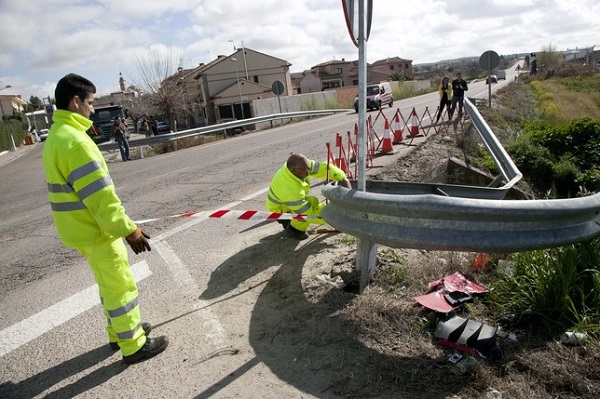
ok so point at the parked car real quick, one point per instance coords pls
(43, 134)
(232, 130)
(491, 78)
(378, 94)
(162, 127)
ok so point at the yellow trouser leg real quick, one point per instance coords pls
(118, 292)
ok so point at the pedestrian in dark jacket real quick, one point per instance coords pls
(121, 135)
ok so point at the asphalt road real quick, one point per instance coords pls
(51, 336)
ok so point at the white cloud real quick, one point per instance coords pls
(41, 40)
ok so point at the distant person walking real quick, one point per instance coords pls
(459, 86)
(121, 135)
(146, 128)
(153, 125)
(445, 98)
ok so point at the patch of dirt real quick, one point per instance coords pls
(381, 343)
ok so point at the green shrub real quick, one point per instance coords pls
(554, 289)
(562, 158)
(10, 128)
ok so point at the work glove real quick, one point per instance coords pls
(313, 201)
(138, 241)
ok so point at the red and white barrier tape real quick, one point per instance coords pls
(234, 214)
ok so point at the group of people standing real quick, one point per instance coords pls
(149, 126)
(451, 95)
(120, 133)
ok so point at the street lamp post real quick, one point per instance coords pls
(5, 87)
(237, 77)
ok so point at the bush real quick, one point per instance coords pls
(559, 158)
(554, 289)
(10, 128)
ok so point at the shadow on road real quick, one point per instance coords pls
(297, 336)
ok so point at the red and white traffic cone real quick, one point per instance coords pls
(387, 147)
(397, 131)
(414, 124)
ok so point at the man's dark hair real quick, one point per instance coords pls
(70, 86)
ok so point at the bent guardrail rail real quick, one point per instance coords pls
(501, 158)
(460, 218)
(174, 136)
(434, 222)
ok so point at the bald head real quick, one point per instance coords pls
(297, 160)
(298, 165)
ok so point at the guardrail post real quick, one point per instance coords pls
(141, 151)
(366, 260)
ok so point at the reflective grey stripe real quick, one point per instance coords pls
(296, 203)
(67, 206)
(128, 334)
(303, 209)
(316, 167)
(60, 188)
(83, 171)
(270, 196)
(123, 309)
(94, 187)
(273, 200)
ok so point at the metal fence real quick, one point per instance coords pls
(175, 136)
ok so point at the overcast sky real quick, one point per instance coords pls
(42, 40)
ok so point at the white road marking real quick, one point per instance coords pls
(210, 323)
(29, 329)
(34, 326)
(195, 221)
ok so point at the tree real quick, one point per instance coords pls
(156, 77)
(35, 104)
(548, 58)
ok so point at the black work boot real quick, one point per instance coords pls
(147, 327)
(284, 223)
(295, 233)
(151, 348)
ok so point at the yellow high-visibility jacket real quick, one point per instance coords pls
(448, 92)
(85, 206)
(288, 193)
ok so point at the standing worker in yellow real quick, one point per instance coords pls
(289, 189)
(89, 217)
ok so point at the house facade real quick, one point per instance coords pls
(11, 104)
(225, 87)
(336, 74)
(389, 67)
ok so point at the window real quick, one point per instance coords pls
(255, 78)
(392, 67)
(339, 70)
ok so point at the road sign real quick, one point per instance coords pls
(352, 18)
(489, 60)
(277, 87)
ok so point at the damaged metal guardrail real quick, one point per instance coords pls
(174, 136)
(437, 222)
(446, 217)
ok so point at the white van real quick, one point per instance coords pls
(378, 94)
(501, 74)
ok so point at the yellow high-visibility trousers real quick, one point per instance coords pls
(118, 293)
(315, 210)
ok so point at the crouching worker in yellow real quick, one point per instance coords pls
(289, 189)
(89, 217)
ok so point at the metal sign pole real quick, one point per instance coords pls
(362, 95)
